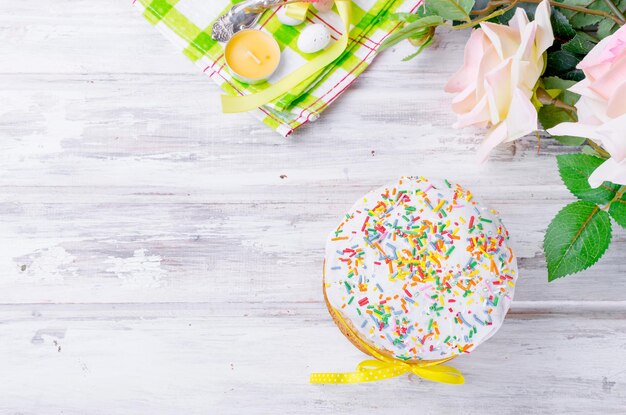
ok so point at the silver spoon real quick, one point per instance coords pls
(242, 16)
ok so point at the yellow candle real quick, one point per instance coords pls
(252, 55)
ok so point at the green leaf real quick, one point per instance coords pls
(617, 210)
(569, 140)
(406, 17)
(576, 239)
(411, 29)
(551, 115)
(561, 26)
(504, 18)
(590, 151)
(553, 82)
(419, 49)
(451, 9)
(575, 170)
(581, 20)
(581, 44)
(574, 75)
(561, 62)
(606, 28)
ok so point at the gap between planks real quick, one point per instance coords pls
(311, 309)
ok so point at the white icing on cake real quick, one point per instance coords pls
(420, 270)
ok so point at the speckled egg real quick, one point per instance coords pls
(313, 38)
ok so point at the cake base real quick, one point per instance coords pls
(350, 332)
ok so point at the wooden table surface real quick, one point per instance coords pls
(160, 257)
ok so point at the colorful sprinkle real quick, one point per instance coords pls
(428, 269)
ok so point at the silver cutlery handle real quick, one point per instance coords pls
(262, 5)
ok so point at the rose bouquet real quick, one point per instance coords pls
(564, 69)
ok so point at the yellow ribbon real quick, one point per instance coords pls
(231, 104)
(297, 10)
(386, 367)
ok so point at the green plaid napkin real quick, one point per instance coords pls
(187, 24)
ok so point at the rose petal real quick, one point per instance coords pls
(597, 62)
(610, 171)
(519, 20)
(525, 75)
(545, 36)
(617, 103)
(518, 124)
(527, 44)
(613, 138)
(582, 87)
(479, 115)
(465, 100)
(592, 110)
(489, 61)
(472, 56)
(576, 129)
(504, 39)
(522, 117)
(498, 90)
(501, 67)
(495, 137)
(605, 84)
(323, 5)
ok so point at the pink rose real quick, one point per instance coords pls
(323, 5)
(501, 67)
(602, 106)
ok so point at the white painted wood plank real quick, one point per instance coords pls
(80, 36)
(170, 359)
(143, 251)
(98, 171)
(190, 261)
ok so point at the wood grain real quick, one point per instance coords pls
(158, 256)
(197, 358)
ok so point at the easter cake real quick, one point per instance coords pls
(418, 271)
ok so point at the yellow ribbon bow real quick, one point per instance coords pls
(244, 103)
(373, 370)
(386, 367)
